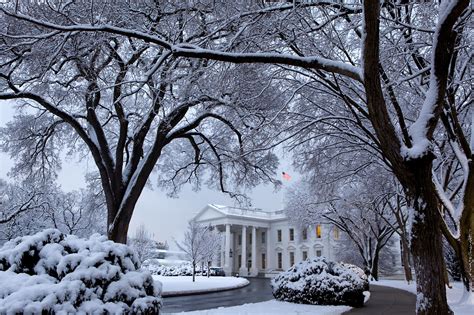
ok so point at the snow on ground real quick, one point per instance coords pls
(182, 285)
(273, 307)
(459, 304)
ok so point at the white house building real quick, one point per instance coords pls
(262, 243)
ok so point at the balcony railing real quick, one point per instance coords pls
(253, 212)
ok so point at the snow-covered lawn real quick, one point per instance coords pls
(273, 307)
(460, 305)
(182, 285)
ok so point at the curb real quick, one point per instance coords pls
(203, 291)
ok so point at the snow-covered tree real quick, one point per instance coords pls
(200, 243)
(346, 251)
(15, 200)
(80, 212)
(352, 207)
(21, 206)
(143, 244)
(29, 207)
(212, 246)
(129, 105)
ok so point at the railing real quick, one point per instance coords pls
(253, 212)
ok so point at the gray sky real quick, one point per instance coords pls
(165, 217)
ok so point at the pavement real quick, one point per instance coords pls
(387, 301)
(258, 290)
(383, 300)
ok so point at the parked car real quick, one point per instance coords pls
(217, 271)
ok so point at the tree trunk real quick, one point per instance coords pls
(118, 232)
(462, 254)
(194, 271)
(208, 269)
(375, 265)
(123, 197)
(426, 242)
(467, 229)
(122, 215)
(405, 255)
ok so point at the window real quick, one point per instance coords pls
(240, 261)
(319, 253)
(336, 233)
(305, 234)
(240, 239)
(263, 237)
(279, 235)
(305, 255)
(280, 262)
(264, 261)
(292, 258)
(318, 231)
(292, 234)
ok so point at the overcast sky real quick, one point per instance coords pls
(165, 217)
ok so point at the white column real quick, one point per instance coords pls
(232, 250)
(243, 263)
(222, 250)
(269, 251)
(227, 266)
(253, 268)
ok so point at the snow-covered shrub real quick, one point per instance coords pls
(319, 281)
(359, 271)
(185, 269)
(51, 272)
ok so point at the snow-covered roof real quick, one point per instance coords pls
(251, 213)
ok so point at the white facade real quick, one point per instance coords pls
(262, 243)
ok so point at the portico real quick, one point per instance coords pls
(240, 249)
(260, 243)
(246, 237)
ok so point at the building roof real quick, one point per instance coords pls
(248, 213)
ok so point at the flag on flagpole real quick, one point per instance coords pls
(286, 176)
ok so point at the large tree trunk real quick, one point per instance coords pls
(467, 229)
(120, 211)
(426, 241)
(414, 174)
(119, 232)
(406, 258)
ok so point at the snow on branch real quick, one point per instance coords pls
(192, 51)
(312, 62)
(443, 41)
